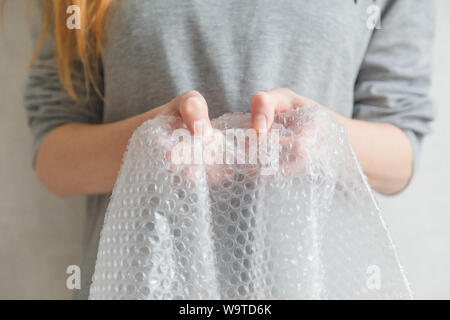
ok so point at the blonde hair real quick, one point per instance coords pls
(84, 44)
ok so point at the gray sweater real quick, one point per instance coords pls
(228, 50)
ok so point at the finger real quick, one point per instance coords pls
(265, 104)
(262, 110)
(194, 111)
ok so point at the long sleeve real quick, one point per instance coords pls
(394, 80)
(47, 103)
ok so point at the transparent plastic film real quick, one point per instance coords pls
(293, 218)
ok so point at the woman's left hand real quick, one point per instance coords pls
(383, 150)
(265, 104)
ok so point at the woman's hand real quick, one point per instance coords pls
(383, 150)
(191, 106)
(80, 158)
(265, 104)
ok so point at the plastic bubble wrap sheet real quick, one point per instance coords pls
(309, 230)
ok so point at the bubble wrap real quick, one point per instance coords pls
(309, 230)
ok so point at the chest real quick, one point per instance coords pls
(290, 20)
(229, 49)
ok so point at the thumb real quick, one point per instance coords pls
(193, 109)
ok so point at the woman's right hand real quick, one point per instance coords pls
(191, 106)
(82, 158)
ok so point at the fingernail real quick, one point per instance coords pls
(260, 122)
(192, 105)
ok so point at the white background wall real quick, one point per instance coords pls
(420, 217)
(41, 235)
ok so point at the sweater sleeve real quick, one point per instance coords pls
(393, 84)
(47, 103)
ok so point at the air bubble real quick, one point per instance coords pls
(310, 230)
